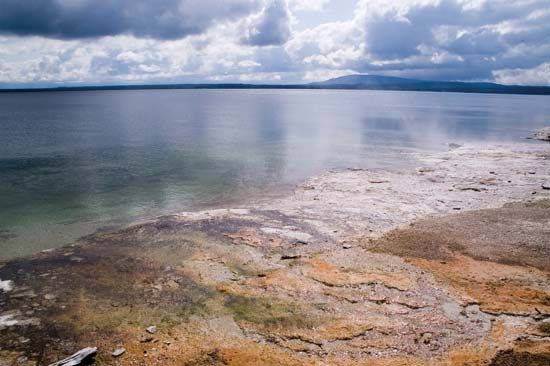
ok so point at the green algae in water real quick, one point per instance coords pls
(6, 235)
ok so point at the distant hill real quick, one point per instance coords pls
(376, 82)
(352, 82)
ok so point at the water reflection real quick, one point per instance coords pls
(73, 162)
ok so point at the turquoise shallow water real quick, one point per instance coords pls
(75, 162)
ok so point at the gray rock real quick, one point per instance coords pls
(288, 256)
(118, 352)
(546, 185)
(6, 286)
(542, 134)
(152, 329)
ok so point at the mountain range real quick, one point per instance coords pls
(351, 82)
(376, 82)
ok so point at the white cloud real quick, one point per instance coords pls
(308, 5)
(506, 41)
(270, 27)
(539, 75)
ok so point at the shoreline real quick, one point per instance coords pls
(354, 267)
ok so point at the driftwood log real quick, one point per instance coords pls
(82, 357)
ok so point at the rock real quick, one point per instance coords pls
(452, 145)
(542, 134)
(82, 357)
(118, 352)
(347, 246)
(6, 286)
(469, 188)
(422, 170)
(546, 186)
(146, 338)
(22, 359)
(287, 256)
(151, 330)
(49, 296)
(23, 294)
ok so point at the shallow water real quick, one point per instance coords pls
(75, 162)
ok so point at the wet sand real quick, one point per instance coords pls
(446, 263)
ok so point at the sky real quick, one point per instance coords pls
(90, 42)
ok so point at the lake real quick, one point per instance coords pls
(74, 162)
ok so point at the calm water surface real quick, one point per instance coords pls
(75, 162)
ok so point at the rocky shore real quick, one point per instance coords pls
(447, 263)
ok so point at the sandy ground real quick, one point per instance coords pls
(447, 263)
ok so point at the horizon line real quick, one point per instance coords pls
(422, 85)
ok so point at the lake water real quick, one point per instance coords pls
(75, 162)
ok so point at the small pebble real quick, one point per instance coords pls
(118, 352)
(152, 329)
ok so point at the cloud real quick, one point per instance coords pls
(308, 5)
(160, 19)
(392, 37)
(118, 41)
(271, 27)
(440, 39)
(539, 75)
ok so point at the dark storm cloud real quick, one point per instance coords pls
(271, 27)
(478, 42)
(390, 38)
(161, 19)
